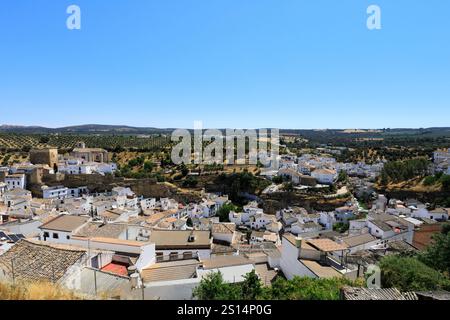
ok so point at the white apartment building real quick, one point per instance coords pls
(15, 181)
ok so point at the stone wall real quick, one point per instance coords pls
(148, 188)
(44, 156)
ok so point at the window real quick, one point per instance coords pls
(187, 255)
(173, 256)
(55, 236)
(68, 237)
(46, 235)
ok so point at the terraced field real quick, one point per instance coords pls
(18, 142)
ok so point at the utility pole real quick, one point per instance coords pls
(12, 270)
(95, 281)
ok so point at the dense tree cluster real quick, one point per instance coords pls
(397, 171)
(410, 274)
(437, 255)
(243, 182)
(213, 287)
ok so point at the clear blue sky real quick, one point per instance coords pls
(229, 63)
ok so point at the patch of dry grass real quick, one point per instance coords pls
(35, 291)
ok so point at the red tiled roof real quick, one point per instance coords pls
(116, 269)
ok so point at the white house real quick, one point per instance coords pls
(232, 268)
(325, 176)
(62, 228)
(300, 258)
(439, 214)
(259, 221)
(147, 204)
(168, 204)
(15, 181)
(56, 192)
(441, 156)
(304, 227)
(327, 219)
(122, 191)
(380, 229)
(105, 168)
(176, 244)
(249, 211)
(345, 213)
(2, 189)
(224, 232)
(77, 192)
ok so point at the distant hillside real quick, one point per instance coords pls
(320, 136)
(83, 129)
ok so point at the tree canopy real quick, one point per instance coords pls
(437, 254)
(409, 273)
(213, 287)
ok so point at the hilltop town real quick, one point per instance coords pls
(73, 217)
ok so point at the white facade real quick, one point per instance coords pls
(230, 274)
(15, 181)
(324, 176)
(58, 192)
(289, 262)
(147, 204)
(298, 227)
(81, 166)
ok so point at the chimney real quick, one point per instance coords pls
(298, 244)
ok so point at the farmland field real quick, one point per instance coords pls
(19, 142)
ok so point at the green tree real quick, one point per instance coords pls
(251, 287)
(190, 182)
(430, 180)
(343, 176)
(44, 139)
(445, 180)
(288, 187)
(437, 254)
(148, 166)
(410, 274)
(277, 179)
(224, 211)
(305, 288)
(213, 287)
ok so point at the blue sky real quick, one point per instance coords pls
(228, 63)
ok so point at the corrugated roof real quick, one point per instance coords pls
(98, 229)
(225, 261)
(319, 270)
(327, 245)
(169, 271)
(180, 239)
(356, 293)
(64, 222)
(353, 241)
